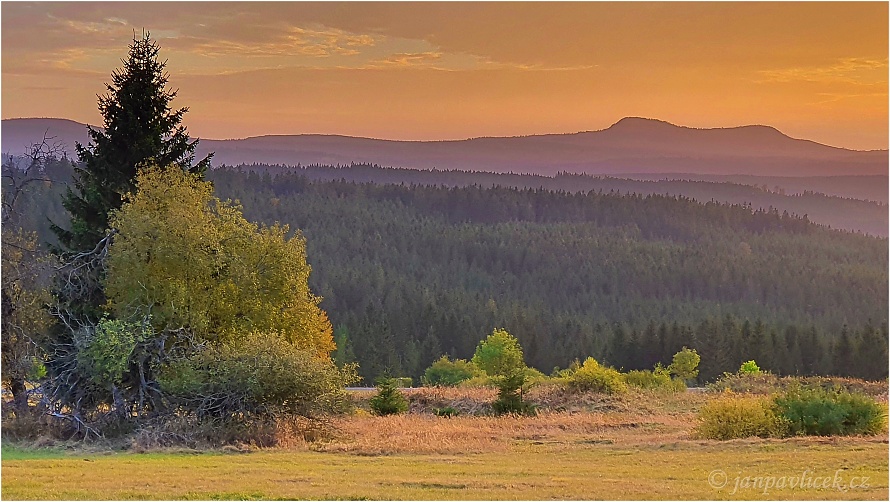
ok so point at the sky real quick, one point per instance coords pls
(427, 71)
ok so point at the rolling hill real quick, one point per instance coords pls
(632, 145)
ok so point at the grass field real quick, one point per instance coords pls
(641, 448)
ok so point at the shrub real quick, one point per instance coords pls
(388, 400)
(262, 375)
(595, 377)
(480, 380)
(657, 379)
(404, 382)
(447, 373)
(510, 395)
(446, 412)
(821, 412)
(685, 364)
(749, 368)
(732, 416)
(534, 376)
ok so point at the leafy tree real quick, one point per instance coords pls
(499, 355)
(685, 364)
(193, 262)
(139, 124)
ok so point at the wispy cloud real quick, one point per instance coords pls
(848, 70)
(294, 41)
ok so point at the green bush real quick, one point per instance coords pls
(592, 376)
(447, 373)
(732, 416)
(499, 354)
(446, 412)
(685, 364)
(388, 400)
(821, 412)
(657, 379)
(263, 375)
(510, 395)
(104, 354)
(749, 368)
(404, 382)
(480, 380)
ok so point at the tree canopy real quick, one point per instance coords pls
(499, 355)
(139, 124)
(190, 260)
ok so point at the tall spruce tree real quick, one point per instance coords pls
(139, 124)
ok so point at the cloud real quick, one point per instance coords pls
(318, 42)
(848, 70)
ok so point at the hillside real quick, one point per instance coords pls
(632, 145)
(409, 272)
(837, 212)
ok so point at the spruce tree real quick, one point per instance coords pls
(139, 124)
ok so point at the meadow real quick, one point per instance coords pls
(635, 446)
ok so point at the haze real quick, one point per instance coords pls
(448, 71)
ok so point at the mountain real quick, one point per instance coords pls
(632, 145)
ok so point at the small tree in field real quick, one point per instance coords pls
(500, 356)
(389, 400)
(685, 364)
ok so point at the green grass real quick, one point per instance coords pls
(530, 470)
(10, 452)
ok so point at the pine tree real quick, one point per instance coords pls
(139, 124)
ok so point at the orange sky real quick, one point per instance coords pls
(456, 70)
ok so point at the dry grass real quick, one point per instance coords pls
(535, 470)
(637, 417)
(637, 446)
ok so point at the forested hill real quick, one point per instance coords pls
(409, 272)
(837, 212)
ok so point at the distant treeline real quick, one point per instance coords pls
(837, 212)
(410, 271)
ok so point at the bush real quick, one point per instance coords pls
(447, 412)
(263, 375)
(592, 376)
(388, 400)
(821, 412)
(732, 416)
(510, 395)
(404, 382)
(447, 373)
(801, 411)
(657, 379)
(685, 364)
(749, 368)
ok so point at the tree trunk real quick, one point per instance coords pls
(19, 396)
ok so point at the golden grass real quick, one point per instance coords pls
(640, 447)
(579, 469)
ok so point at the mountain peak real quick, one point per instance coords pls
(632, 123)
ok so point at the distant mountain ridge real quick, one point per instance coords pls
(631, 145)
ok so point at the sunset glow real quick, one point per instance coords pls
(454, 70)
